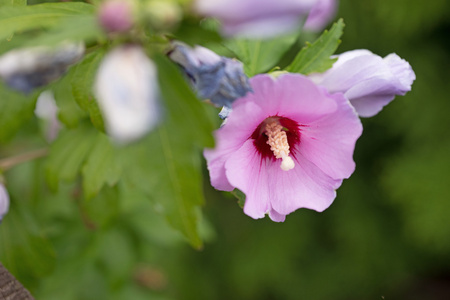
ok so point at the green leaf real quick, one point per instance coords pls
(260, 56)
(23, 248)
(175, 180)
(46, 15)
(316, 57)
(240, 197)
(101, 167)
(168, 162)
(74, 28)
(117, 254)
(67, 155)
(68, 110)
(13, 3)
(82, 86)
(15, 109)
(185, 111)
(102, 211)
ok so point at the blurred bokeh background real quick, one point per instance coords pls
(386, 236)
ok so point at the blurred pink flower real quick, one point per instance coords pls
(287, 145)
(321, 14)
(4, 201)
(256, 18)
(367, 80)
(116, 15)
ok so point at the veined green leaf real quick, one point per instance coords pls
(171, 173)
(102, 166)
(261, 55)
(82, 84)
(74, 28)
(19, 18)
(184, 109)
(68, 110)
(15, 109)
(67, 154)
(315, 57)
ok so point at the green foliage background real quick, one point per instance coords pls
(386, 235)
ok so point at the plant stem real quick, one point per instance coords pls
(9, 162)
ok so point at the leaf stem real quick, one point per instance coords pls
(9, 162)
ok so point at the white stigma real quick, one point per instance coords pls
(287, 163)
(278, 142)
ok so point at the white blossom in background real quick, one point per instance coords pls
(47, 110)
(4, 201)
(126, 87)
(29, 68)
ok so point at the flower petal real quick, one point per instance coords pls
(246, 171)
(367, 80)
(276, 217)
(305, 186)
(329, 142)
(321, 14)
(291, 95)
(229, 139)
(269, 189)
(256, 18)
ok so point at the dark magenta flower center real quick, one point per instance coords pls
(260, 137)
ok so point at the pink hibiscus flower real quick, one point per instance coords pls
(287, 145)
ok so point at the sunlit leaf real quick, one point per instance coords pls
(13, 3)
(20, 18)
(74, 28)
(315, 57)
(261, 55)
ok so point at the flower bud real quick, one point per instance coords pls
(127, 92)
(219, 79)
(4, 201)
(116, 15)
(163, 13)
(29, 68)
